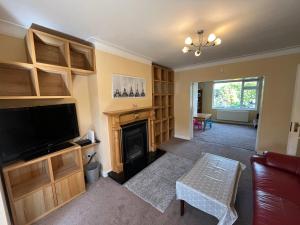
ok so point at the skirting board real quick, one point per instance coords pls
(232, 122)
(183, 137)
(105, 173)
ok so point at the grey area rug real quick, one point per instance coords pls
(156, 183)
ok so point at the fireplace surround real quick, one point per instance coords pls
(132, 128)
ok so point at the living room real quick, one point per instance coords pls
(135, 64)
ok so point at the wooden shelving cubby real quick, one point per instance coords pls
(17, 79)
(157, 87)
(164, 88)
(165, 126)
(156, 73)
(164, 75)
(157, 128)
(158, 114)
(54, 82)
(164, 112)
(82, 57)
(171, 101)
(165, 136)
(28, 178)
(171, 112)
(157, 101)
(171, 76)
(49, 49)
(157, 140)
(66, 164)
(163, 103)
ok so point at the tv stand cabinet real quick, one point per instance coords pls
(39, 186)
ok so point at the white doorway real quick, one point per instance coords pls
(293, 147)
(232, 106)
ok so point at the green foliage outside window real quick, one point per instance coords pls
(235, 95)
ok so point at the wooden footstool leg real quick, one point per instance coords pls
(181, 207)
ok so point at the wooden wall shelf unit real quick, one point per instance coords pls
(163, 103)
(53, 60)
(37, 187)
(48, 49)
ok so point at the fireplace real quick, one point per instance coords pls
(134, 146)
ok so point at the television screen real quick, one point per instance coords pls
(27, 130)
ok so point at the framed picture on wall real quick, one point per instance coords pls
(128, 87)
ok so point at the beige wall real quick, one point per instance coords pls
(101, 95)
(207, 90)
(279, 73)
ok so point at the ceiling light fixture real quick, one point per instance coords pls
(212, 40)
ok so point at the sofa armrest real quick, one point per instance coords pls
(261, 159)
(287, 163)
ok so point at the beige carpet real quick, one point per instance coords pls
(239, 136)
(108, 203)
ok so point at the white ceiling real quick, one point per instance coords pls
(156, 29)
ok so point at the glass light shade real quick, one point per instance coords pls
(218, 41)
(197, 53)
(188, 41)
(185, 49)
(212, 37)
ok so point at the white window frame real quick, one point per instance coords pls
(242, 94)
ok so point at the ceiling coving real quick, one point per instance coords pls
(212, 41)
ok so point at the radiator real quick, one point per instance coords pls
(238, 116)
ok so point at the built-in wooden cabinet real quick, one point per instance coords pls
(163, 103)
(66, 189)
(52, 61)
(35, 205)
(39, 186)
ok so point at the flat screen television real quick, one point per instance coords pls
(34, 131)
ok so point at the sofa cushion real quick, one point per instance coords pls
(270, 209)
(276, 182)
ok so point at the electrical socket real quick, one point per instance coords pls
(89, 155)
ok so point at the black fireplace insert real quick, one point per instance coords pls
(135, 151)
(134, 145)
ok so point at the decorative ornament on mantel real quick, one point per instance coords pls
(190, 46)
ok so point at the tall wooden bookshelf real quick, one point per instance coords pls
(163, 103)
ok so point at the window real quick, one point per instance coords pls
(236, 94)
